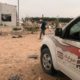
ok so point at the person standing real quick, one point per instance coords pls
(43, 28)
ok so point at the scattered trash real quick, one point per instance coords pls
(17, 36)
(15, 77)
(33, 56)
(0, 33)
(33, 71)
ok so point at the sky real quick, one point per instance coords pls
(50, 8)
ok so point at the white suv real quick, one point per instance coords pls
(61, 51)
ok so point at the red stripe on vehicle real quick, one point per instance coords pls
(73, 50)
(69, 48)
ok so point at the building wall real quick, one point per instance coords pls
(0, 12)
(8, 9)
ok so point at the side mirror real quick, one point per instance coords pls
(58, 32)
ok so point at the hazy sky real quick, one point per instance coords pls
(50, 8)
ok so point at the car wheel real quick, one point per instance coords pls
(46, 62)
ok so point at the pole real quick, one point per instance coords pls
(57, 21)
(18, 12)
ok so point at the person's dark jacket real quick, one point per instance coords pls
(43, 26)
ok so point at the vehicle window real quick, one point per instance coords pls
(75, 31)
(75, 28)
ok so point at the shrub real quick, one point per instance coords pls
(16, 29)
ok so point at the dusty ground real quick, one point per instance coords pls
(15, 61)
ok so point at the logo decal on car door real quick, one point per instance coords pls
(69, 55)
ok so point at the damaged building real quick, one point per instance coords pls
(8, 15)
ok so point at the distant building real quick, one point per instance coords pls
(8, 15)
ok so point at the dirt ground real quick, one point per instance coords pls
(16, 62)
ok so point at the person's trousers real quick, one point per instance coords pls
(42, 33)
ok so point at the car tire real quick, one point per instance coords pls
(46, 62)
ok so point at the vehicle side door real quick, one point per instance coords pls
(68, 49)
